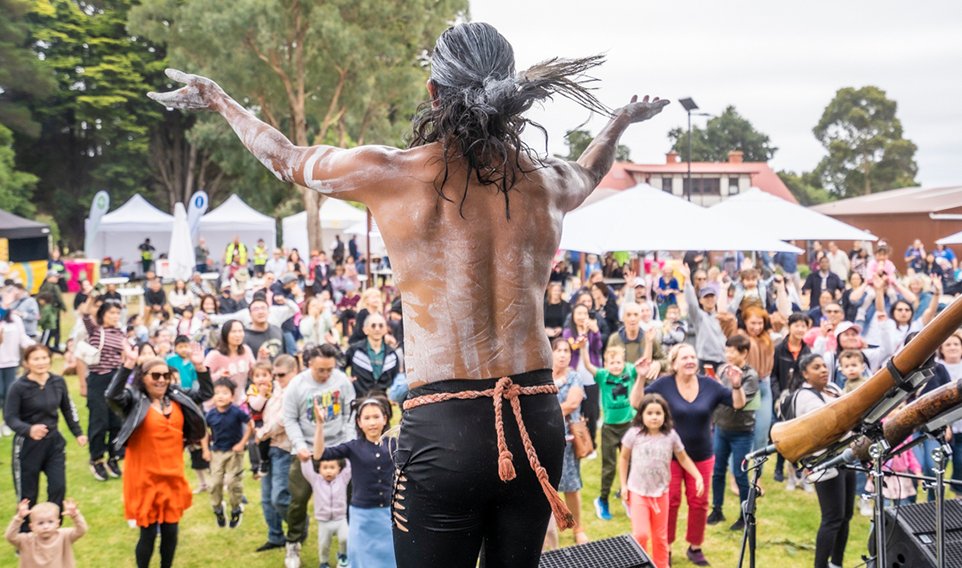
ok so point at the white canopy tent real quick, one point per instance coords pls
(955, 239)
(236, 218)
(774, 217)
(336, 216)
(123, 230)
(645, 218)
(360, 229)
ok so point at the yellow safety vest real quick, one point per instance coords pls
(241, 252)
(260, 256)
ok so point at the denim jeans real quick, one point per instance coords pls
(290, 343)
(763, 416)
(956, 444)
(731, 447)
(274, 495)
(923, 453)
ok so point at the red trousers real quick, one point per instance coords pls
(649, 518)
(697, 506)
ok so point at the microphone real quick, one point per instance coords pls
(766, 451)
(845, 458)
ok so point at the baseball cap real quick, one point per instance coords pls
(845, 326)
(639, 281)
(288, 278)
(707, 290)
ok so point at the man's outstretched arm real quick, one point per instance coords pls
(598, 158)
(326, 169)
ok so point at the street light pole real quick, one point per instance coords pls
(689, 106)
(688, 188)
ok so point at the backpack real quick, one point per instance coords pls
(785, 405)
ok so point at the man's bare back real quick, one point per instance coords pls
(472, 286)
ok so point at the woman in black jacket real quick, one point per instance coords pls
(32, 405)
(158, 418)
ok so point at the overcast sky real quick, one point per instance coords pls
(779, 63)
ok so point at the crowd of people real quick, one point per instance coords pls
(285, 369)
(691, 362)
(251, 373)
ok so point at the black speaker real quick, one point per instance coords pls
(911, 535)
(615, 552)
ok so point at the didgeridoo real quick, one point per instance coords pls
(910, 419)
(817, 430)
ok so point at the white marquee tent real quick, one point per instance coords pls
(360, 229)
(643, 218)
(234, 217)
(123, 230)
(775, 217)
(336, 216)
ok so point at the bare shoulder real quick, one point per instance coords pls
(568, 181)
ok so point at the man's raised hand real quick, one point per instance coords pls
(641, 111)
(200, 93)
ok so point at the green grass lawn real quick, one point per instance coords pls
(787, 523)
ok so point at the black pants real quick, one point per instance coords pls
(102, 422)
(33, 457)
(591, 411)
(448, 484)
(168, 544)
(836, 499)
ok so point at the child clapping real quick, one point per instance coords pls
(46, 544)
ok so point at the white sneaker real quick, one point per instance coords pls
(293, 559)
(592, 455)
(808, 486)
(5, 430)
(790, 482)
(865, 507)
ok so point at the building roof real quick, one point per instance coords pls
(622, 174)
(905, 200)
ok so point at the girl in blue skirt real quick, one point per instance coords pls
(370, 543)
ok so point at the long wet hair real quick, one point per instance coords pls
(476, 113)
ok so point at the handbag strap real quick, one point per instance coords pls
(103, 339)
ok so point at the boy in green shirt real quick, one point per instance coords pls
(615, 382)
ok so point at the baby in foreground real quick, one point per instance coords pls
(47, 545)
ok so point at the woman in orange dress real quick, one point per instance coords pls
(159, 416)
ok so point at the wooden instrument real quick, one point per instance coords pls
(817, 430)
(913, 417)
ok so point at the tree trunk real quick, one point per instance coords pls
(866, 168)
(312, 204)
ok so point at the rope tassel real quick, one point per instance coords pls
(506, 389)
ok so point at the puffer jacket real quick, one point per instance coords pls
(132, 404)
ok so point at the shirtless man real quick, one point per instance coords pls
(472, 259)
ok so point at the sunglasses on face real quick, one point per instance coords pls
(160, 376)
(280, 375)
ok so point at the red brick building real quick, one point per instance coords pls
(711, 181)
(902, 215)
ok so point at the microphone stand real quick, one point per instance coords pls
(940, 456)
(877, 452)
(748, 513)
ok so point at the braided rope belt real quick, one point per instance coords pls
(505, 389)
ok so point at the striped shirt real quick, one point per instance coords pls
(111, 355)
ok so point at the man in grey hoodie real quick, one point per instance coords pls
(703, 318)
(324, 382)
